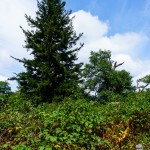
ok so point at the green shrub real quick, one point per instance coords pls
(76, 124)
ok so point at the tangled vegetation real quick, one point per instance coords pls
(75, 124)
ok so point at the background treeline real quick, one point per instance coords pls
(64, 104)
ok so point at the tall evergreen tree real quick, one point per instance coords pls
(53, 71)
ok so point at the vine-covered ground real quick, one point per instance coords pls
(76, 124)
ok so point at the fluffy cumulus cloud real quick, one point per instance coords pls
(11, 37)
(85, 23)
(125, 47)
(2, 78)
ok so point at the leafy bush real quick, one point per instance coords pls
(75, 124)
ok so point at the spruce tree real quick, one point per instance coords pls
(53, 71)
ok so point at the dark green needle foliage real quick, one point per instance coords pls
(53, 71)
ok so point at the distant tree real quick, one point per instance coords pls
(53, 71)
(101, 77)
(143, 83)
(5, 91)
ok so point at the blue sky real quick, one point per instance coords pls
(122, 26)
(123, 15)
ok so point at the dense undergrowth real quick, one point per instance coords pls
(76, 124)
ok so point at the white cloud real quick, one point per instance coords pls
(96, 34)
(12, 16)
(3, 78)
(124, 46)
(137, 67)
(11, 36)
(127, 42)
(4, 58)
(91, 26)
